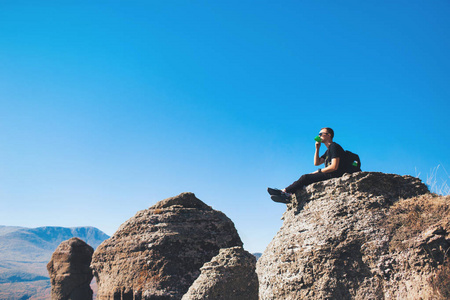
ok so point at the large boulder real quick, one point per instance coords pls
(228, 276)
(158, 253)
(338, 238)
(69, 271)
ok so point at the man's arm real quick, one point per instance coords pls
(333, 166)
(335, 158)
(317, 159)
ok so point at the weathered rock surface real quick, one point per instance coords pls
(228, 276)
(334, 244)
(69, 271)
(158, 253)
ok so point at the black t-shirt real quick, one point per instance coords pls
(334, 151)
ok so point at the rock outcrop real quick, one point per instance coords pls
(228, 276)
(158, 253)
(336, 242)
(360, 236)
(69, 271)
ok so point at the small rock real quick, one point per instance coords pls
(228, 276)
(69, 271)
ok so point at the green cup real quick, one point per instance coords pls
(318, 139)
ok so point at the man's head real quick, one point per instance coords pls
(326, 132)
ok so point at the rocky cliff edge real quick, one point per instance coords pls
(362, 236)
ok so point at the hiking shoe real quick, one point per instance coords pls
(275, 192)
(283, 198)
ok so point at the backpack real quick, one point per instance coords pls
(352, 163)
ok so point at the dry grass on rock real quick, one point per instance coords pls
(410, 217)
(424, 222)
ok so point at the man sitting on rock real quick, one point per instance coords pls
(333, 168)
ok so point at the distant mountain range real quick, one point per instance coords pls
(25, 252)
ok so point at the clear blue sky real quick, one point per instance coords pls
(107, 107)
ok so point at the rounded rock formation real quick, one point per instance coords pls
(158, 253)
(69, 271)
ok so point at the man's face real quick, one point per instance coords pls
(324, 135)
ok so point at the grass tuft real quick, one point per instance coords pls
(437, 180)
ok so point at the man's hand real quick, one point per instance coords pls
(318, 144)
